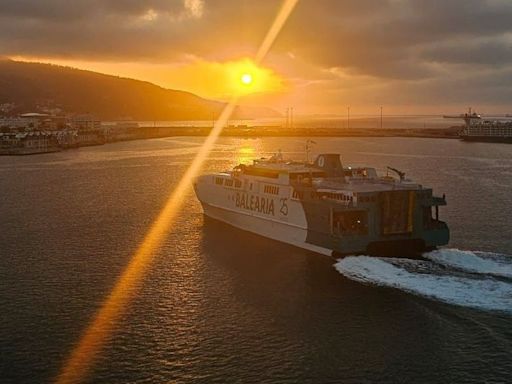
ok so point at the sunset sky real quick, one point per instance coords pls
(411, 56)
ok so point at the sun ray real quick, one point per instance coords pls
(277, 26)
(81, 358)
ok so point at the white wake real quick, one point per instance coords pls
(422, 278)
(475, 262)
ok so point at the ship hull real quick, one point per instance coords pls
(283, 232)
(297, 224)
(292, 235)
(488, 139)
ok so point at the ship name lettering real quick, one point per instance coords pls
(255, 203)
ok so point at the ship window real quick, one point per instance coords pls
(299, 195)
(271, 189)
(350, 223)
(228, 183)
(238, 183)
(219, 180)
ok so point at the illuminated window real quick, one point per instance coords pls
(350, 223)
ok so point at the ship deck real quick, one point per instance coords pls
(365, 185)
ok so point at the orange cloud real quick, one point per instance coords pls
(209, 79)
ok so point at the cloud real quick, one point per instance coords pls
(352, 33)
(194, 7)
(494, 51)
(387, 45)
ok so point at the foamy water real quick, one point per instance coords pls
(486, 263)
(478, 289)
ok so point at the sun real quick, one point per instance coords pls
(240, 78)
(246, 78)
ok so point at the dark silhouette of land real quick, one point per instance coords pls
(33, 87)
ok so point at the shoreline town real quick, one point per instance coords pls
(35, 133)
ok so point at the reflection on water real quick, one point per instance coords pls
(222, 305)
(246, 154)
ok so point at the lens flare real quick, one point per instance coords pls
(100, 329)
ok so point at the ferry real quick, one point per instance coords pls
(497, 130)
(325, 207)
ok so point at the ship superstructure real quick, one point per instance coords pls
(495, 130)
(324, 207)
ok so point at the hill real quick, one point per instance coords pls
(35, 86)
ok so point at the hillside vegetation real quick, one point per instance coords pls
(35, 87)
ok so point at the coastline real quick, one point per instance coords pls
(275, 131)
(152, 132)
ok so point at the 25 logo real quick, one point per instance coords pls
(284, 206)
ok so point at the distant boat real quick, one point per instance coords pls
(484, 130)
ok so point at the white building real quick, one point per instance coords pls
(85, 123)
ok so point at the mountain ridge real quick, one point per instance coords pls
(41, 87)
